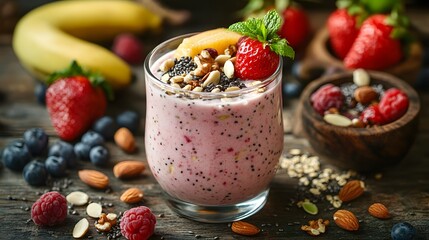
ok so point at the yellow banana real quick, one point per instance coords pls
(49, 37)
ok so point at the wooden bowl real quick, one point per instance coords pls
(319, 55)
(362, 149)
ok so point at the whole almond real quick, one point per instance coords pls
(124, 138)
(351, 190)
(346, 220)
(132, 195)
(378, 210)
(244, 228)
(94, 178)
(365, 94)
(129, 169)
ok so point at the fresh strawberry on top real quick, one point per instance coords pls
(296, 26)
(375, 46)
(75, 99)
(258, 55)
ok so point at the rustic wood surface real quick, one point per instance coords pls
(403, 188)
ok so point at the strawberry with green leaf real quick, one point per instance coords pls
(380, 42)
(295, 27)
(258, 53)
(75, 98)
(343, 26)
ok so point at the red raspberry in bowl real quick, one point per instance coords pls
(326, 97)
(372, 115)
(393, 104)
(138, 223)
(49, 210)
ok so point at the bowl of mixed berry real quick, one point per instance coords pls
(360, 120)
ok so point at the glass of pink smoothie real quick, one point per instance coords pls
(213, 154)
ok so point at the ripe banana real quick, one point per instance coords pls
(49, 37)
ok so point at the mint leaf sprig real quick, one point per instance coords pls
(265, 30)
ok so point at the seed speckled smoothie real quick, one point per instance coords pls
(213, 140)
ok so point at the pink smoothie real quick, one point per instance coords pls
(217, 151)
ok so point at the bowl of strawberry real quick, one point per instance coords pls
(380, 41)
(360, 120)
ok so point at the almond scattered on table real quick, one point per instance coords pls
(244, 228)
(129, 169)
(346, 220)
(94, 178)
(124, 138)
(378, 210)
(132, 195)
(352, 190)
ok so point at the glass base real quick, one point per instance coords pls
(218, 214)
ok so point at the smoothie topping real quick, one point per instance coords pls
(201, 67)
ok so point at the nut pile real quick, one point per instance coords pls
(359, 103)
(208, 71)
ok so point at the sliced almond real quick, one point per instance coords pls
(94, 178)
(337, 120)
(228, 69)
(361, 77)
(81, 228)
(132, 195)
(94, 210)
(77, 198)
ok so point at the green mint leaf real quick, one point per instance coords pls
(282, 48)
(272, 22)
(265, 31)
(344, 3)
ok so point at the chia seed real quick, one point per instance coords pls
(182, 66)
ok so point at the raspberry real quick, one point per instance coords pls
(129, 48)
(326, 97)
(138, 223)
(372, 116)
(49, 210)
(393, 104)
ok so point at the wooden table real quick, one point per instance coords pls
(404, 188)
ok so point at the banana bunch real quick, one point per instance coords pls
(49, 37)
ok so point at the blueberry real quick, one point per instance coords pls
(64, 150)
(129, 119)
(81, 151)
(35, 173)
(92, 139)
(36, 141)
(292, 89)
(56, 166)
(40, 93)
(403, 231)
(99, 155)
(105, 126)
(16, 155)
